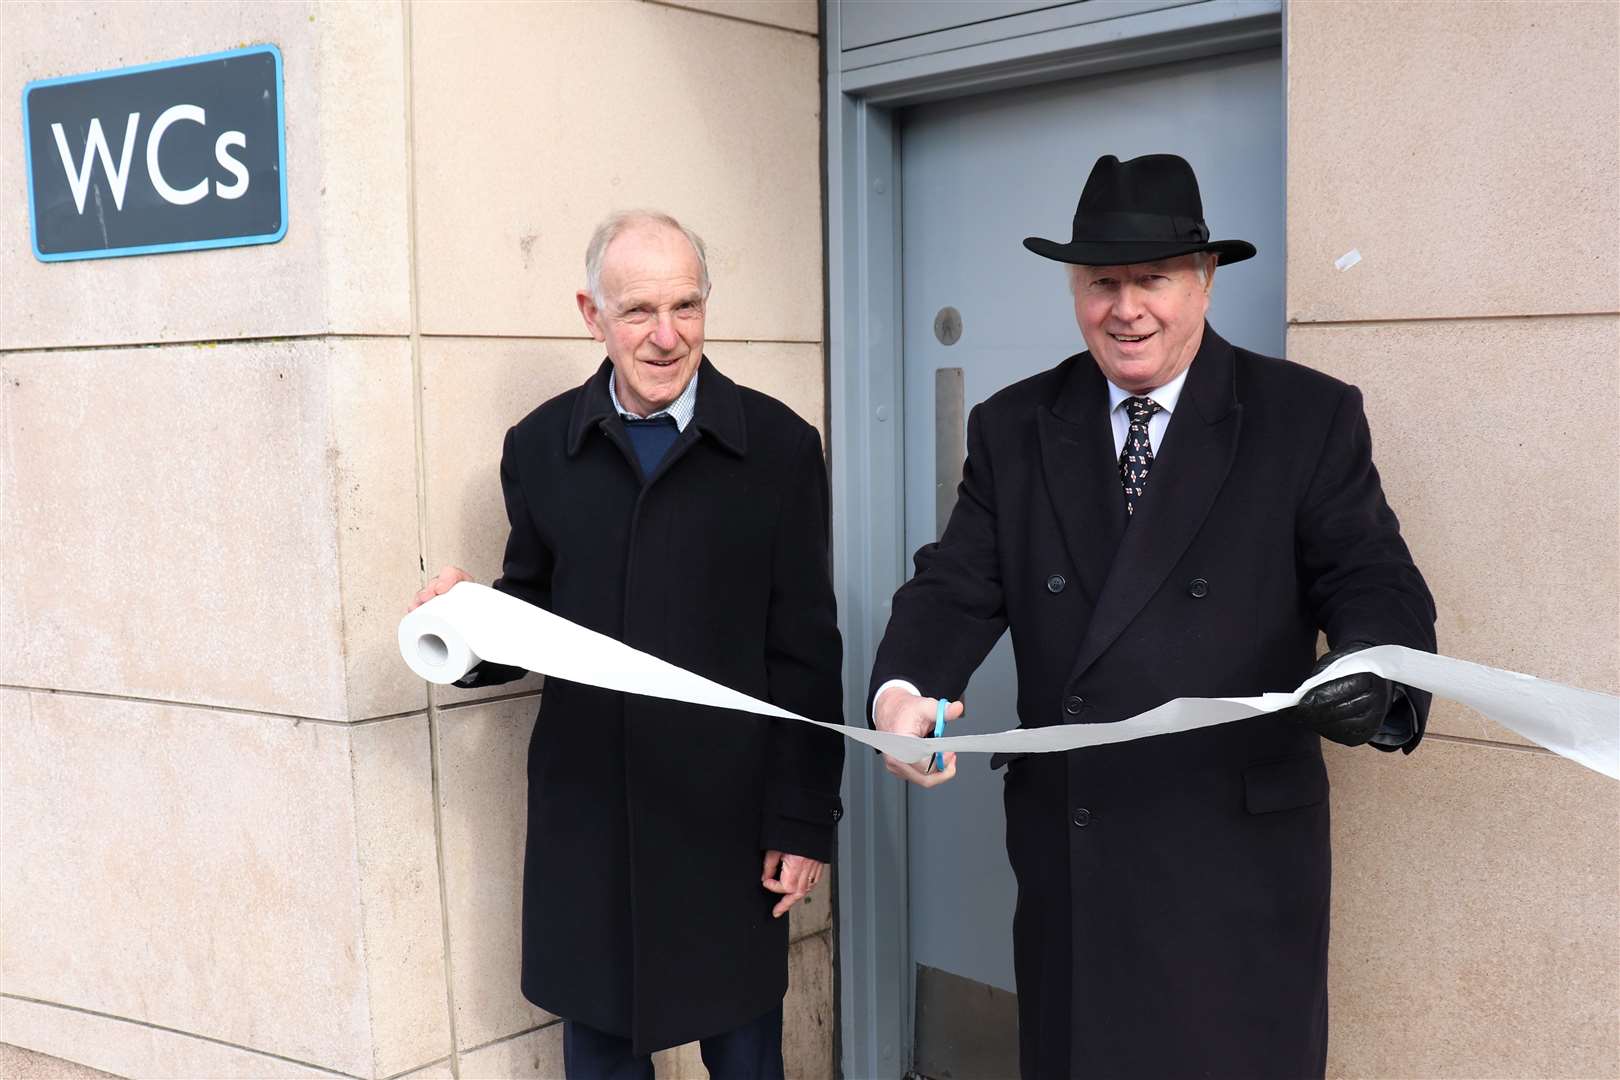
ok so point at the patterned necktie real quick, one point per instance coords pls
(1137, 458)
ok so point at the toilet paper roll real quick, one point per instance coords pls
(433, 646)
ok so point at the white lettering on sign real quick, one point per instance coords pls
(95, 146)
(154, 142)
(232, 165)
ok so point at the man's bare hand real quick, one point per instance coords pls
(901, 711)
(440, 585)
(789, 876)
(919, 773)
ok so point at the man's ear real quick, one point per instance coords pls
(591, 314)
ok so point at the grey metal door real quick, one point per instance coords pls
(978, 175)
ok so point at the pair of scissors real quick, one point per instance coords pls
(937, 764)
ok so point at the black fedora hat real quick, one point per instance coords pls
(1137, 211)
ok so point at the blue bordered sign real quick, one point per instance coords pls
(172, 156)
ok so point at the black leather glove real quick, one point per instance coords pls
(1349, 710)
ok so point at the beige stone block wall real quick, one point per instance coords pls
(533, 1055)
(19, 1064)
(1468, 151)
(126, 1049)
(239, 839)
(1476, 939)
(262, 882)
(721, 125)
(791, 14)
(483, 799)
(225, 524)
(343, 266)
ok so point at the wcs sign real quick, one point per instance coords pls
(165, 157)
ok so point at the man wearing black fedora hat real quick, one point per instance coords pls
(1164, 515)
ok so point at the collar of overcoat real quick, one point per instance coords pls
(719, 413)
(1122, 563)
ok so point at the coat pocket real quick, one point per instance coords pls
(1284, 785)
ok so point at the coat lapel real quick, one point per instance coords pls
(1082, 477)
(1188, 472)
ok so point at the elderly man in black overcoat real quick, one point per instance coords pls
(664, 505)
(1164, 515)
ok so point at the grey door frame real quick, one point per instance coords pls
(865, 89)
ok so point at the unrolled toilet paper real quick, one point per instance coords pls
(443, 639)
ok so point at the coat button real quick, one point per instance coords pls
(1055, 583)
(837, 814)
(1198, 588)
(1082, 817)
(1072, 705)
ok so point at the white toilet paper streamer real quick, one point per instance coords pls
(443, 639)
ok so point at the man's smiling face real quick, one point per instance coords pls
(1143, 322)
(651, 317)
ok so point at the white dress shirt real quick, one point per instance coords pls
(1165, 397)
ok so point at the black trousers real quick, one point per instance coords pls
(750, 1052)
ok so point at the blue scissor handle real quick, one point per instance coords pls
(939, 729)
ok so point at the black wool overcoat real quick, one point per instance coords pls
(1172, 916)
(643, 913)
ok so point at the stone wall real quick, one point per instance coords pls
(239, 838)
(1469, 153)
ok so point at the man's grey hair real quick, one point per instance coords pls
(614, 225)
(1203, 265)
